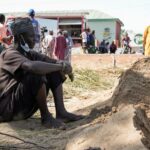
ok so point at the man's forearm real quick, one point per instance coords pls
(42, 68)
(49, 60)
(45, 68)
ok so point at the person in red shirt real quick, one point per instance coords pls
(60, 46)
(2, 32)
(126, 42)
(3, 29)
(5, 39)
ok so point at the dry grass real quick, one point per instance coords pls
(90, 80)
(87, 80)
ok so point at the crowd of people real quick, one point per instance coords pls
(105, 47)
(51, 44)
(89, 41)
(58, 47)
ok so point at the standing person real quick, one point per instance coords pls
(2, 31)
(36, 26)
(126, 42)
(9, 22)
(88, 32)
(4, 39)
(84, 40)
(69, 46)
(59, 46)
(102, 47)
(92, 38)
(26, 77)
(67, 57)
(113, 47)
(48, 44)
(146, 41)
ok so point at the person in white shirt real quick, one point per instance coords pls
(84, 40)
(48, 44)
(69, 46)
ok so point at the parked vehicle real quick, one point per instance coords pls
(127, 48)
(92, 49)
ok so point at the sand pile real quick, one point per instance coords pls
(134, 85)
(134, 89)
(128, 128)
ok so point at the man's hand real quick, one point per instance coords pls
(66, 67)
(71, 77)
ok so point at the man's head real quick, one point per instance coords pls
(2, 18)
(88, 29)
(31, 12)
(23, 31)
(59, 32)
(65, 33)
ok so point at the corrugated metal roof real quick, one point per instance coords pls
(64, 13)
(96, 14)
(53, 13)
(99, 15)
(88, 14)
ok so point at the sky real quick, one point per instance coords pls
(133, 13)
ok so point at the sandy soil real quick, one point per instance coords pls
(116, 119)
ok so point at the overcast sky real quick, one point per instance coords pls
(133, 13)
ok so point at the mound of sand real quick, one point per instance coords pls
(129, 127)
(134, 85)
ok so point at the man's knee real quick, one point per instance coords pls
(55, 79)
(32, 83)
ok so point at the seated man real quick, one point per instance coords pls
(26, 77)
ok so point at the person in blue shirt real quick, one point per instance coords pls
(36, 26)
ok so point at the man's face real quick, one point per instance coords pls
(30, 38)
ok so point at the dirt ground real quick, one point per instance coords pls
(116, 119)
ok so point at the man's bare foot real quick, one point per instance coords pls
(50, 122)
(69, 117)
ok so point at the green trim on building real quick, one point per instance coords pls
(94, 20)
(106, 20)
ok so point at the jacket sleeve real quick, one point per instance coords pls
(145, 36)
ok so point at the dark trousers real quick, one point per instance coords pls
(20, 102)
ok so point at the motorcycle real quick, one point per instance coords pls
(91, 49)
(127, 48)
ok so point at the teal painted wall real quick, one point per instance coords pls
(104, 29)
